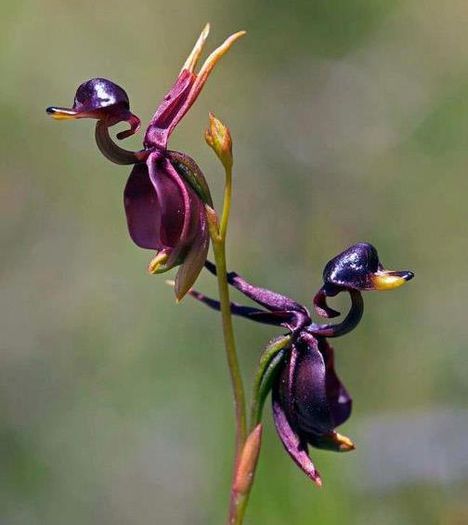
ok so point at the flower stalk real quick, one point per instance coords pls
(218, 138)
(219, 250)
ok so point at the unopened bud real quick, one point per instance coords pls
(218, 137)
(248, 461)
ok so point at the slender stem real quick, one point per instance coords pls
(218, 237)
(231, 354)
(227, 203)
(239, 502)
(267, 368)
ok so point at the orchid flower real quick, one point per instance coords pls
(166, 193)
(309, 400)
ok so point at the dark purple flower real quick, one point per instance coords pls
(309, 400)
(166, 192)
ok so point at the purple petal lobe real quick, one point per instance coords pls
(173, 198)
(168, 113)
(339, 401)
(196, 256)
(292, 442)
(158, 205)
(164, 213)
(275, 302)
(142, 209)
(309, 389)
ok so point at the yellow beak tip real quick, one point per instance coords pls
(389, 280)
(62, 113)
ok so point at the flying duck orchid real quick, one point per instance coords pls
(166, 192)
(309, 400)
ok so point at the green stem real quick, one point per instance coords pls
(267, 369)
(227, 203)
(240, 506)
(231, 354)
(218, 237)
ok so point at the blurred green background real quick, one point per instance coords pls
(350, 123)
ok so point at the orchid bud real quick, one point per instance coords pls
(218, 137)
(248, 461)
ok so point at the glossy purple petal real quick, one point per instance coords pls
(173, 199)
(275, 302)
(168, 114)
(164, 213)
(185, 91)
(309, 389)
(292, 441)
(182, 213)
(158, 205)
(196, 255)
(339, 400)
(248, 312)
(143, 209)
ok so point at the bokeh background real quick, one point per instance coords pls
(350, 123)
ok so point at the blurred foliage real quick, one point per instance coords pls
(349, 122)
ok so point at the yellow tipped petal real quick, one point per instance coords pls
(160, 259)
(387, 280)
(214, 58)
(205, 70)
(192, 59)
(333, 441)
(344, 443)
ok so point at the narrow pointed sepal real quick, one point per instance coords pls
(194, 55)
(184, 92)
(294, 446)
(192, 264)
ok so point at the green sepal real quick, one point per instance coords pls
(187, 168)
(268, 368)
